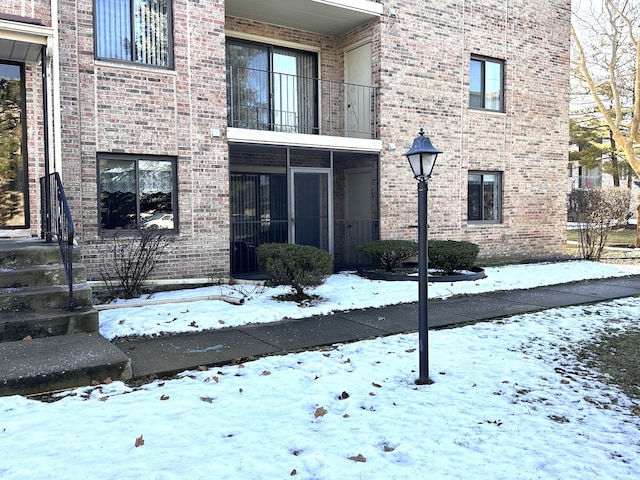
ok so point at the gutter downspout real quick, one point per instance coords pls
(55, 87)
(46, 228)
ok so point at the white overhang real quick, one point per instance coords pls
(22, 41)
(329, 17)
(300, 140)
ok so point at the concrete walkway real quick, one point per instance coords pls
(171, 354)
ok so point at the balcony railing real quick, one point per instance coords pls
(263, 100)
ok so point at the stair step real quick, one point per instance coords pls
(43, 297)
(46, 323)
(32, 275)
(59, 363)
(31, 252)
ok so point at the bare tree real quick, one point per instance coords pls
(605, 61)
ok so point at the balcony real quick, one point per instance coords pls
(328, 17)
(284, 103)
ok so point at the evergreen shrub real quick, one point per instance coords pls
(297, 266)
(389, 254)
(449, 256)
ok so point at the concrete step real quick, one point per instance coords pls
(58, 363)
(43, 297)
(30, 252)
(47, 323)
(33, 275)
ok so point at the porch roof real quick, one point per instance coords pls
(22, 38)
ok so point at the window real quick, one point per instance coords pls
(136, 31)
(486, 84)
(137, 192)
(271, 88)
(484, 199)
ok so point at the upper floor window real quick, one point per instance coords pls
(271, 87)
(484, 197)
(137, 31)
(137, 192)
(486, 84)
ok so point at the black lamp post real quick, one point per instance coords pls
(422, 158)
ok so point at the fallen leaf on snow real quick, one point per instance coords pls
(139, 441)
(320, 412)
(358, 458)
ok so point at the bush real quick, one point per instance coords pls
(597, 210)
(128, 261)
(388, 254)
(298, 266)
(448, 256)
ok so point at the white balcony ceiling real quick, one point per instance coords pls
(329, 17)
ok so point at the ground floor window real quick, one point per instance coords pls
(137, 192)
(484, 199)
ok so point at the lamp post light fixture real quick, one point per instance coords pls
(422, 158)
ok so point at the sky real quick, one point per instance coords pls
(510, 399)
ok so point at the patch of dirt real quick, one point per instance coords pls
(617, 356)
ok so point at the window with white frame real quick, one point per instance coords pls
(137, 31)
(486, 84)
(137, 192)
(484, 197)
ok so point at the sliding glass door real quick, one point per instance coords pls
(271, 88)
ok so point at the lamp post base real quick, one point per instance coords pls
(424, 381)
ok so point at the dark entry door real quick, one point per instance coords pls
(311, 223)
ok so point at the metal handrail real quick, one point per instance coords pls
(57, 223)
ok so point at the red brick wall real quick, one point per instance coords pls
(424, 82)
(111, 107)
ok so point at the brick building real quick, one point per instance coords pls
(237, 122)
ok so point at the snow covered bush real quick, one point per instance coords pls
(297, 266)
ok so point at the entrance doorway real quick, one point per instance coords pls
(312, 207)
(14, 212)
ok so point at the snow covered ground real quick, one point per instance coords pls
(510, 400)
(345, 291)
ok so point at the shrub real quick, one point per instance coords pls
(597, 210)
(447, 256)
(297, 266)
(127, 261)
(388, 254)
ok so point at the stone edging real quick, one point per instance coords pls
(476, 273)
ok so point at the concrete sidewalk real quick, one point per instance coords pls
(171, 354)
